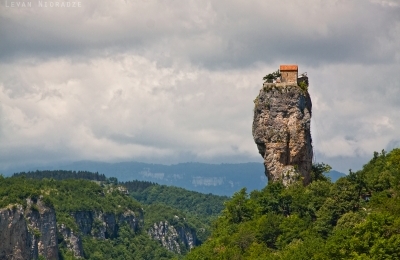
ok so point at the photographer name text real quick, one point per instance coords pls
(44, 4)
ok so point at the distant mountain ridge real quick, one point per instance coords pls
(335, 175)
(219, 179)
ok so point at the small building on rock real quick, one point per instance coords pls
(289, 73)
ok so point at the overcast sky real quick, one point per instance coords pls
(168, 81)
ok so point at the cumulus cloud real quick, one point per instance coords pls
(168, 81)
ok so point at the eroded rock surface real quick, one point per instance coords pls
(14, 236)
(29, 233)
(32, 232)
(281, 130)
(105, 225)
(72, 240)
(174, 239)
(42, 222)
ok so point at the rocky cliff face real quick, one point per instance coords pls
(14, 236)
(30, 233)
(174, 239)
(42, 219)
(281, 130)
(97, 224)
(26, 234)
(72, 240)
(105, 225)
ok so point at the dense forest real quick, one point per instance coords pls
(62, 175)
(162, 202)
(199, 203)
(357, 217)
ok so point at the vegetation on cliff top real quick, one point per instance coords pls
(272, 76)
(358, 217)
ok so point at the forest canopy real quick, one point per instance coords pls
(358, 217)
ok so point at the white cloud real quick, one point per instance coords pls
(128, 108)
(356, 110)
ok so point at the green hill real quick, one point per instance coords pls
(358, 217)
(163, 202)
(179, 198)
(107, 220)
(109, 223)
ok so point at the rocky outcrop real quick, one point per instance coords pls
(42, 221)
(174, 239)
(26, 234)
(281, 130)
(105, 225)
(188, 237)
(30, 233)
(132, 219)
(97, 224)
(14, 236)
(72, 240)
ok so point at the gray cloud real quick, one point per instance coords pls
(212, 34)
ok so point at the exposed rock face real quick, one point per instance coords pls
(99, 225)
(105, 225)
(43, 220)
(72, 240)
(14, 236)
(134, 221)
(281, 130)
(28, 234)
(173, 239)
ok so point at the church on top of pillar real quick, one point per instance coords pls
(289, 73)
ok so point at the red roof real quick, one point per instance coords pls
(288, 67)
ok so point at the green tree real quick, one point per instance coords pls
(237, 209)
(318, 170)
(272, 76)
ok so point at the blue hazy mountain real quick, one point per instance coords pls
(335, 175)
(219, 179)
